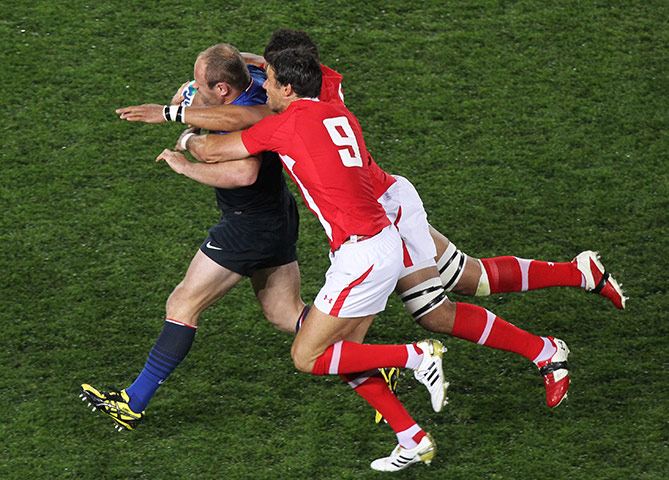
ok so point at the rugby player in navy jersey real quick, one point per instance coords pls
(255, 237)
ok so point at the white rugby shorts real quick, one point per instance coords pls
(362, 276)
(405, 210)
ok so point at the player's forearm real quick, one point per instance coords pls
(234, 174)
(213, 148)
(225, 118)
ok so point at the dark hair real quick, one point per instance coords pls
(225, 64)
(299, 69)
(285, 38)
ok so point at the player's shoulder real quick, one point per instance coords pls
(327, 71)
(256, 72)
(255, 93)
(311, 107)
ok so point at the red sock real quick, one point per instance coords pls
(350, 357)
(375, 391)
(478, 325)
(512, 274)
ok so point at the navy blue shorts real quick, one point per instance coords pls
(246, 242)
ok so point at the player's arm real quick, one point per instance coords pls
(213, 148)
(226, 118)
(253, 59)
(232, 174)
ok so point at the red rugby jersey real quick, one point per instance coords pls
(322, 148)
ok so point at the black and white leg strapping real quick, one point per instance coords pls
(423, 298)
(451, 266)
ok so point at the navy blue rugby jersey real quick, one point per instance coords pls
(269, 191)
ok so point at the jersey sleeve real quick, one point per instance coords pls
(260, 137)
(271, 134)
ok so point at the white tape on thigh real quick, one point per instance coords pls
(423, 298)
(451, 266)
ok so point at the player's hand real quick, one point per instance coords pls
(176, 160)
(179, 96)
(147, 113)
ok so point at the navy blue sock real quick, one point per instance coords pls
(167, 353)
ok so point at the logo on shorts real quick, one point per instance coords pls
(329, 300)
(209, 245)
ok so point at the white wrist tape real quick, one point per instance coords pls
(184, 140)
(173, 113)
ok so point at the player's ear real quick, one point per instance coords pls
(222, 88)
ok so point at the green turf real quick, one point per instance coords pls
(530, 128)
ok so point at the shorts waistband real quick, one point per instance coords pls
(359, 238)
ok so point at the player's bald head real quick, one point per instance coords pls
(225, 64)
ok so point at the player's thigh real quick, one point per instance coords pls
(358, 334)
(278, 292)
(318, 332)
(205, 282)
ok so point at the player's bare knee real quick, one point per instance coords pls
(174, 300)
(182, 306)
(303, 366)
(474, 280)
(301, 359)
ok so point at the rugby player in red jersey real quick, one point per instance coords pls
(322, 149)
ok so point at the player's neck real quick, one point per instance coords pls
(231, 96)
(294, 98)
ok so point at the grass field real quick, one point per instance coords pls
(536, 129)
